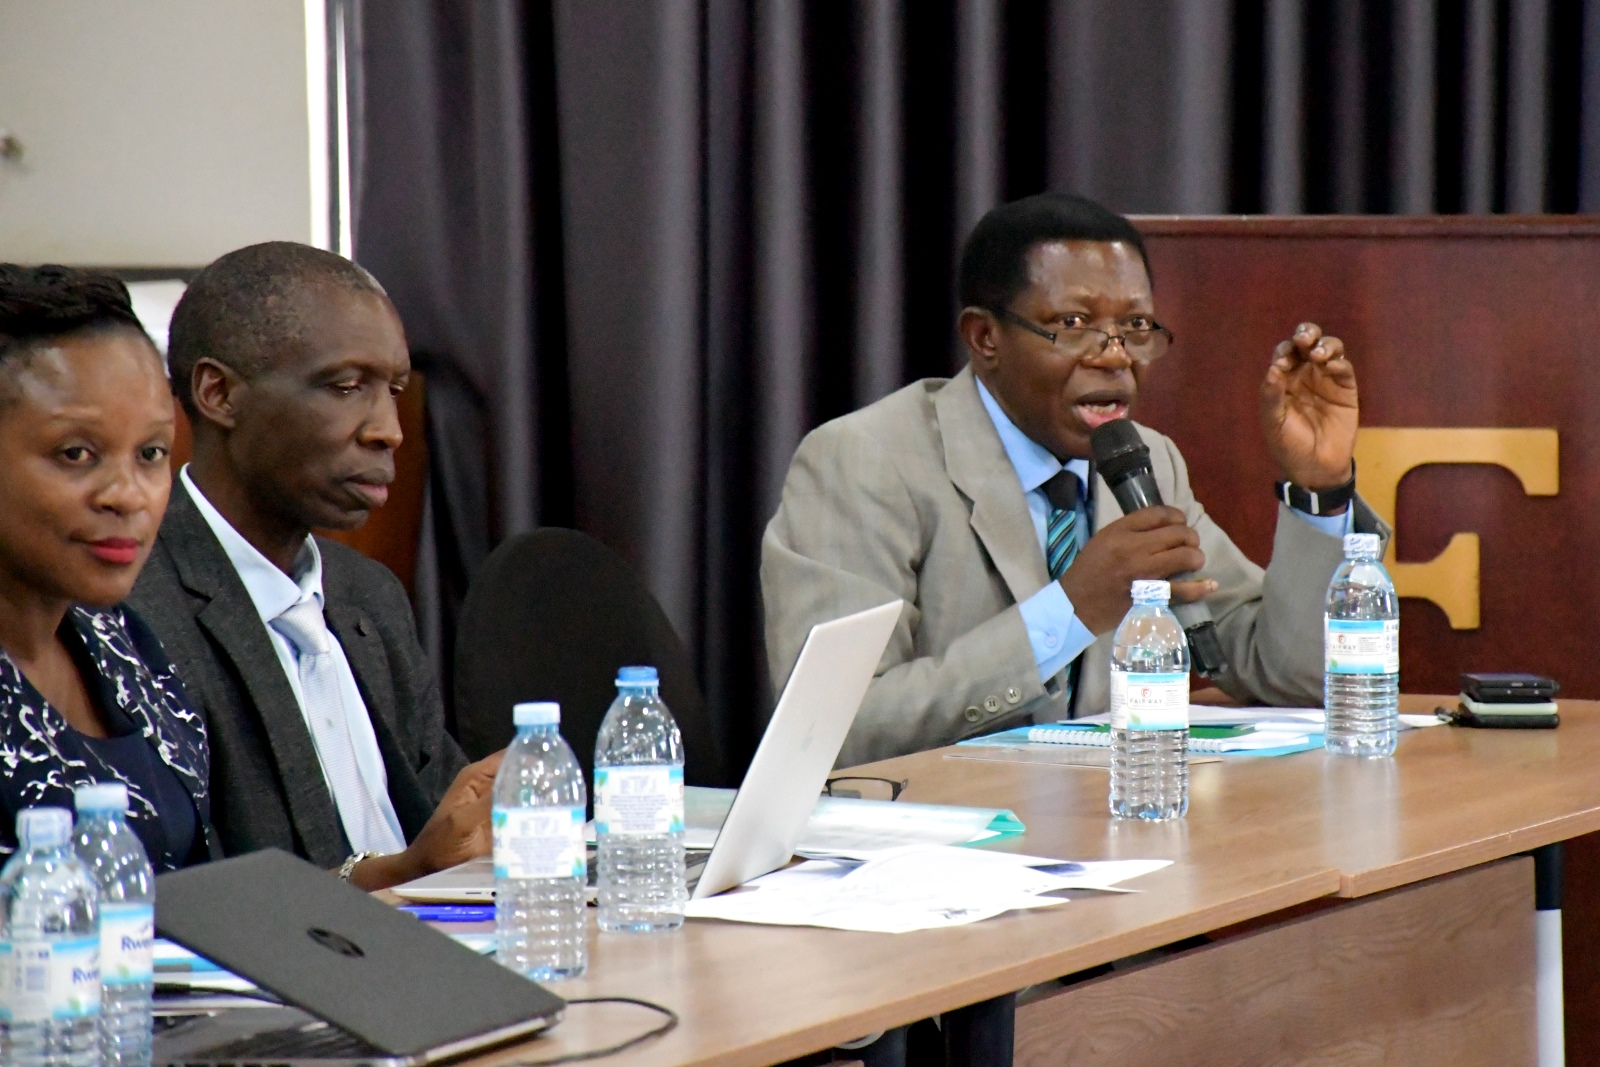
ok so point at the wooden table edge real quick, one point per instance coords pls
(1012, 978)
(1447, 861)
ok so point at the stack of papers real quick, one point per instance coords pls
(858, 829)
(178, 968)
(921, 887)
(1262, 731)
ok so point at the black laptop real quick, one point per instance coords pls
(360, 982)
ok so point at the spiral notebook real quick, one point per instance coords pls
(1244, 739)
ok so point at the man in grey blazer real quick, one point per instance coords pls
(325, 721)
(972, 500)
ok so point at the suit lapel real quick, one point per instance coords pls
(978, 466)
(231, 620)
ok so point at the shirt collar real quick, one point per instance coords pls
(271, 591)
(1032, 461)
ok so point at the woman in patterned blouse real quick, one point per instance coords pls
(86, 694)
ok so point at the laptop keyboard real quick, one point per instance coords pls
(316, 1041)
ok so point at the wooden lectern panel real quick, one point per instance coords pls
(1456, 322)
(1480, 323)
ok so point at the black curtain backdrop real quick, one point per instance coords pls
(642, 246)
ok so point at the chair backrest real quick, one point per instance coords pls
(551, 615)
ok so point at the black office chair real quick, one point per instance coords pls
(551, 615)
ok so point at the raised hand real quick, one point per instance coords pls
(1309, 409)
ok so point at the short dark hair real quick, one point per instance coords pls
(250, 303)
(43, 304)
(994, 260)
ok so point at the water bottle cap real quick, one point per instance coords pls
(1149, 592)
(542, 713)
(631, 676)
(101, 796)
(1362, 546)
(43, 827)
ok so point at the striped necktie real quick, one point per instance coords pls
(1061, 528)
(1061, 543)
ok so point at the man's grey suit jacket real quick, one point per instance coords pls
(267, 786)
(914, 497)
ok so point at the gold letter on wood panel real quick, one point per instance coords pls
(1384, 455)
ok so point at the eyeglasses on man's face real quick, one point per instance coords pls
(1143, 339)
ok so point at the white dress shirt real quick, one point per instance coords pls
(273, 592)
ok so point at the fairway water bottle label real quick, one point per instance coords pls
(638, 801)
(55, 980)
(1149, 701)
(539, 843)
(5, 981)
(1362, 646)
(127, 941)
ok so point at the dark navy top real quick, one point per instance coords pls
(157, 748)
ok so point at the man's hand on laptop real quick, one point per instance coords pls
(458, 831)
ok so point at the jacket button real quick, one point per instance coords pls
(973, 714)
(992, 705)
(1013, 695)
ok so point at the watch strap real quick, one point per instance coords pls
(348, 867)
(1317, 501)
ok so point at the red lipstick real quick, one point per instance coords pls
(119, 550)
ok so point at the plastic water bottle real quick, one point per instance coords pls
(1361, 645)
(540, 867)
(122, 874)
(638, 809)
(50, 914)
(1150, 709)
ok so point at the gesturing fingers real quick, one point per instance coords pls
(1306, 336)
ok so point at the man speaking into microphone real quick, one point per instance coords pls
(975, 499)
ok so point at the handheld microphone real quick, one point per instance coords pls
(1123, 460)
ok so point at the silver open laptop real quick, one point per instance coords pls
(788, 772)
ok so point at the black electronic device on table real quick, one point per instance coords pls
(1507, 701)
(360, 981)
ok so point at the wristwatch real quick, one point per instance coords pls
(348, 867)
(1318, 501)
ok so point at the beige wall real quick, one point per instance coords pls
(156, 132)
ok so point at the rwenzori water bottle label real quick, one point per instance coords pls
(55, 979)
(127, 941)
(638, 801)
(1149, 701)
(1362, 646)
(539, 843)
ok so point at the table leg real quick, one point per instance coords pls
(982, 1034)
(1550, 1006)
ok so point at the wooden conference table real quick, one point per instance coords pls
(1432, 962)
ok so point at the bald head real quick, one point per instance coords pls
(253, 306)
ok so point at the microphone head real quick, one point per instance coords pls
(1118, 450)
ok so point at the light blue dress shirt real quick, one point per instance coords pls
(1057, 636)
(274, 592)
(1053, 627)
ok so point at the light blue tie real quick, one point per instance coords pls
(325, 712)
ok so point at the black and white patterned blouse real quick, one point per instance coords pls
(157, 746)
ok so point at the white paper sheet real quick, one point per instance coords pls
(845, 827)
(1290, 719)
(914, 888)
